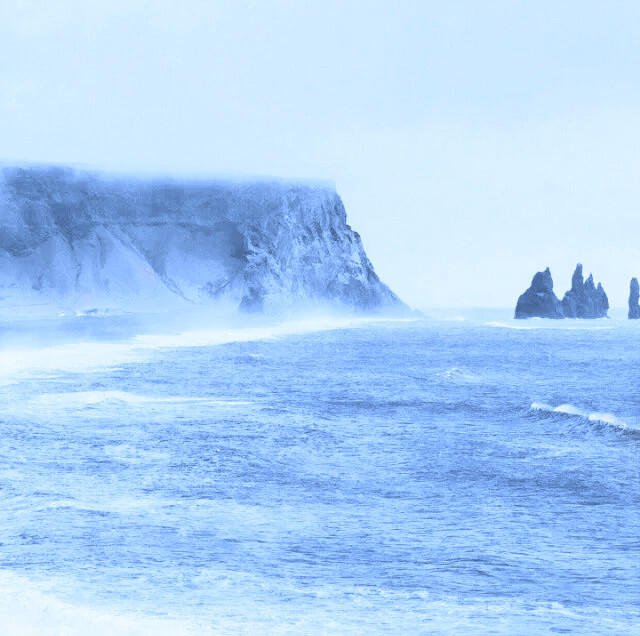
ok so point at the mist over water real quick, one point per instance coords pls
(457, 474)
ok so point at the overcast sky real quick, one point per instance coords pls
(473, 142)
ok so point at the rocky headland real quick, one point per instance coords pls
(79, 240)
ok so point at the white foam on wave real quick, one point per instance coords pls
(106, 502)
(86, 398)
(244, 603)
(570, 409)
(459, 375)
(504, 325)
(70, 358)
(606, 418)
(539, 406)
(27, 608)
(81, 399)
(545, 323)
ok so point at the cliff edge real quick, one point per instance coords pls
(81, 240)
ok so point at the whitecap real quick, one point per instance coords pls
(546, 323)
(80, 399)
(459, 375)
(504, 325)
(569, 409)
(574, 411)
(606, 418)
(540, 406)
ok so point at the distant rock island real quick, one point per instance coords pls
(583, 300)
(634, 295)
(78, 240)
(539, 300)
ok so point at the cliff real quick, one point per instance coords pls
(71, 239)
(539, 300)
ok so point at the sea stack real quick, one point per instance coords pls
(584, 299)
(539, 301)
(634, 295)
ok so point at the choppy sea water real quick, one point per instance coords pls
(473, 475)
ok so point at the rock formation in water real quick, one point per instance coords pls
(539, 300)
(71, 239)
(634, 295)
(584, 299)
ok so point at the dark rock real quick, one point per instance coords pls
(584, 299)
(601, 301)
(634, 295)
(539, 300)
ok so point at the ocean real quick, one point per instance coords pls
(462, 474)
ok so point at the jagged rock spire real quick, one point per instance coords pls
(634, 295)
(584, 299)
(576, 280)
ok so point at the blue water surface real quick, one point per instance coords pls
(473, 475)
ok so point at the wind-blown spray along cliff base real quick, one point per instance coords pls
(78, 240)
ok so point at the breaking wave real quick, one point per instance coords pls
(607, 419)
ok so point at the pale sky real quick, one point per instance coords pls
(473, 142)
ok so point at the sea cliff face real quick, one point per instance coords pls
(82, 240)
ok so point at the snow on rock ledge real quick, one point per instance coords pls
(71, 239)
